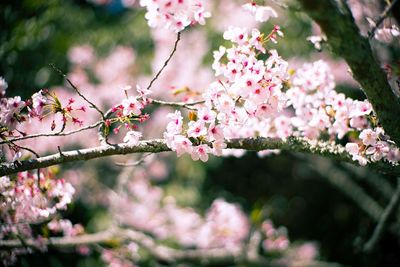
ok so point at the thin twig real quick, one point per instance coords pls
(383, 221)
(94, 125)
(178, 38)
(92, 105)
(102, 136)
(382, 17)
(27, 149)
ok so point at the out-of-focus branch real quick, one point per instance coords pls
(384, 220)
(294, 144)
(375, 181)
(340, 180)
(346, 41)
(164, 253)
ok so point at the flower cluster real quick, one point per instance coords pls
(248, 91)
(373, 146)
(201, 129)
(45, 103)
(41, 104)
(145, 207)
(120, 257)
(254, 97)
(29, 199)
(320, 109)
(128, 112)
(16, 116)
(10, 114)
(175, 14)
(65, 227)
(10, 110)
(225, 226)
(387, 34)
(275, 239)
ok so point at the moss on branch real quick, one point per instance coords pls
(294, 144)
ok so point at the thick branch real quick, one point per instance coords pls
(153, 146)
(335, 19)
(164, 253)
(294, 144)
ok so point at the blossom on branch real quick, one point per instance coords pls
(175, 14)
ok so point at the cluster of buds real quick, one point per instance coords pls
(128, 113)
(45, 103)
(41, 105)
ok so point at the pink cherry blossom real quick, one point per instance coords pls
(132, 138)
(196, 128)
(175, 15)
(368, 137)
(131, 106)
(200, 152)
(261, 13)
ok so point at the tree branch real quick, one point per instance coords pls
(374, 181)
(384, 220)
(164, 253)
(335, 19)
(294, 144)
(178, 38)
(92, 105)
(177, 104)
(340, 180)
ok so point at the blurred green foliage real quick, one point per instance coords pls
(39, 32)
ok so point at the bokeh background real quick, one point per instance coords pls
(291, 189)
